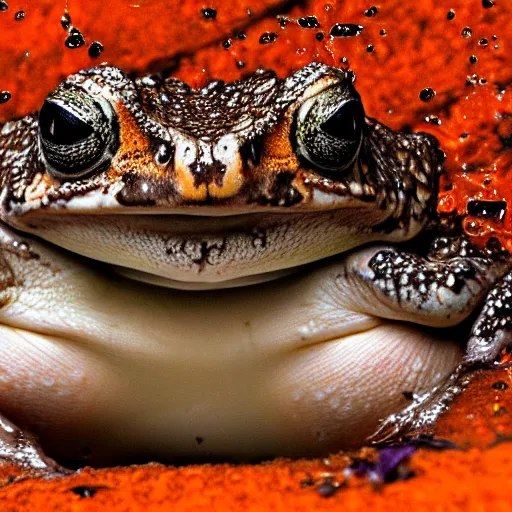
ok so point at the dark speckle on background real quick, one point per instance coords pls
(65, 21)
(427, 94)
(5, 96)
(95, 49)
(466, 32)
(327, 489)
(346, 30)
(86, 491)
(308, 22)
(372, 11)
(209, 13)
(268, 37)
(433, 120)
(75, 39)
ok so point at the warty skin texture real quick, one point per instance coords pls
(301, 365)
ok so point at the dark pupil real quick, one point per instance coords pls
(60, 126)
(345, 123)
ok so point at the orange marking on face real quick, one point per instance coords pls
(185, 184)
(134, 153)
(277, 151)
(232, 182)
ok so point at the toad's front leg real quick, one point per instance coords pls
(440, 289)
(492, 331)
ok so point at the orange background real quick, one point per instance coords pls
(421, 48)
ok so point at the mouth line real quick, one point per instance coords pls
(198, 211)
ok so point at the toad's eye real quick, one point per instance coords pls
(78, 134)
(329, 129)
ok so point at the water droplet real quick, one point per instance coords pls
(369, 48)
(483, 42)
(209, 13)
(19, 15)
(5, 96)
(95, 50)
(487, 4)
(227, 44)
(346, 30)
(65, 21)
(308, 22)
(3, 6)
(450, 15)
(383, 32)
(371, 12)
(268, 37)
(466, 32)
(75, 39)
(427, 94)
(473, 59)
(319, 36)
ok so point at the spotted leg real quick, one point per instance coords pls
(492, 331)
(490, 335)
(439, 289)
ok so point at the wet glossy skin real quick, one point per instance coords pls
(221, 187)
(192, 188)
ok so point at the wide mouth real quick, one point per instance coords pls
(230, 249)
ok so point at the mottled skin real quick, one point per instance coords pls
(239, 183)
(221, 151)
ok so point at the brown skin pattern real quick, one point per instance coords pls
(430, 43)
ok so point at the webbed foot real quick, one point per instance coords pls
(489, 336)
